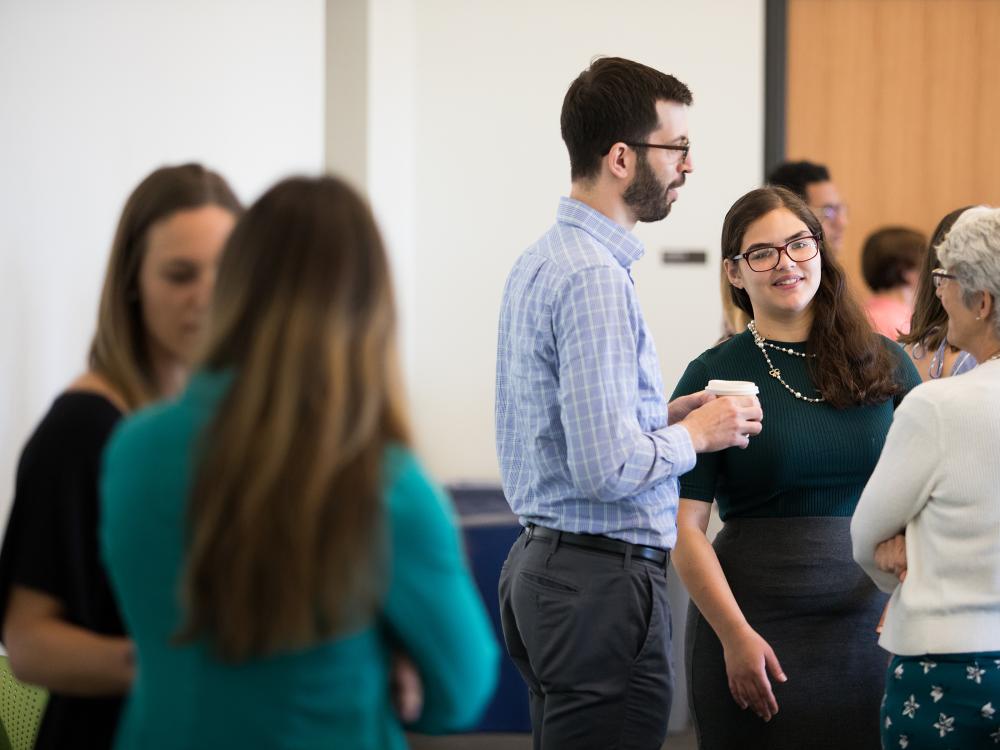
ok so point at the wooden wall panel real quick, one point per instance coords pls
(901, 99)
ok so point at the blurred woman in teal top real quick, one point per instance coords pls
(270, 537)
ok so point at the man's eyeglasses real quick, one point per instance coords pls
(683, 149)
(830, 211)
(938, 276)
(766, 258)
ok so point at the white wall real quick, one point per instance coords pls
(487, 82)
(94, 95)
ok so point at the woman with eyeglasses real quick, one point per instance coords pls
(926, 343)
(780, 645)
(938, 480)
(270, 535)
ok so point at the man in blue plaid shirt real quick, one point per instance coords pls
(590, 451)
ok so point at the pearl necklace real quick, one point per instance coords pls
(773, 371)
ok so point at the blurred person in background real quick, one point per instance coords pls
(890, 263)
(813, 184)
(927, 528)
(927, 343)
(61, 626)
(287, 541)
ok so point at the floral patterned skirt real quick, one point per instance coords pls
(942, 701)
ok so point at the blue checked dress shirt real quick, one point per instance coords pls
(581, 417)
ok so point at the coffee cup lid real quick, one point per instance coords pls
(732, 387)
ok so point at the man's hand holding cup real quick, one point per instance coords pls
(729, 415)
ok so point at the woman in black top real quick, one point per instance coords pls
(60, 624)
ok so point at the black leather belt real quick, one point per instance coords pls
(602, 543)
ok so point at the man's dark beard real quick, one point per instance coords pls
(646, 196)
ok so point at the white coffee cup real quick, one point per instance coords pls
(732, 388)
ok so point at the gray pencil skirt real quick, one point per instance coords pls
(801, 590)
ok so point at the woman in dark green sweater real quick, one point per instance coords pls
(781, 616)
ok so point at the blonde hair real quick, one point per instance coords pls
(119, 351)
(284, 519)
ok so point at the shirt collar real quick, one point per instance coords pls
(623, 245)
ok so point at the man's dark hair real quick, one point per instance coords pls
(888, 254)
(613, 100)
(795, 175)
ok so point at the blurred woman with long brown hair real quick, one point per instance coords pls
(61, 626)
(278, 497)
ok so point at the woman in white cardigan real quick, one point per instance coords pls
(927, 527)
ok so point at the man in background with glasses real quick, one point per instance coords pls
(812, 183)
(589, 449)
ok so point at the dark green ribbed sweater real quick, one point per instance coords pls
(809, 459)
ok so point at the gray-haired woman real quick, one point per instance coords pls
(938, 480)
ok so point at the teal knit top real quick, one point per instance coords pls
(809, 459)
(333, 694)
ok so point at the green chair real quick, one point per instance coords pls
(21, 708)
